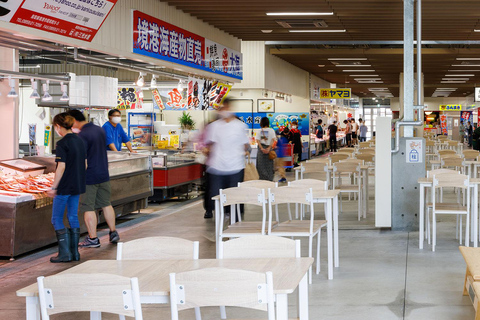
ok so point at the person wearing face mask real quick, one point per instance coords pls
(115, 133)
(297, 143)
(98, 191)
(69, 183)
(227, 141)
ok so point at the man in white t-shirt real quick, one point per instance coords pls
(227, 143)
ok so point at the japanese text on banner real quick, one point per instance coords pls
(335, 93)
(443, 124)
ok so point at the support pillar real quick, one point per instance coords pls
(9, 117)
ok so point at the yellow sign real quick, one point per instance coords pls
(451, 107)
(46, 137)
(343, 93)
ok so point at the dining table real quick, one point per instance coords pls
(153, 278)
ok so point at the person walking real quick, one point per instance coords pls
(362, 131)
(266, 140)
(332, 134)
(98, 191)
(68, 185)
(319, 135)
(227, 143)
(470, 134)
(297, 143)
(462, 132)
(348, 132)
(354, 132)
(115, 135)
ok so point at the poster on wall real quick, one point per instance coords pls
(79, 19)
(127, 98)
(466, 116)
(443, 124)
(278, 121)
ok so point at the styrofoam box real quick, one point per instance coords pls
(16, 198)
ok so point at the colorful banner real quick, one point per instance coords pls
(158, 39)
(80, 19)
(451, 107)
(158, 104)
(195, 93)
(46, 137)
(278, 121)
(223, 60)
(443, 124)
(127, 98)
(217, 93)
(343, 93)
(466, 116)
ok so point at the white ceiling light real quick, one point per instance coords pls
(468, 59)
(153, 83)
(465, 65)
(358, 71)
(180, 85)
(299, 13)
(367, 79)
(459, 75)
(453, 82)
(353, 65)
(476, 30)
(370, 81)
(12, 93)
(321, 65)
(267, 31)
(141, 81)
(34, 94)
(318, 31)
(463, 71)
(348, 59)
(455, 79)
(364, 75)
(64, 89)
(447, 89)
(46, 95)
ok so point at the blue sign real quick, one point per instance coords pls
(277, 120)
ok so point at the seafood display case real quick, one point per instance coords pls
(25, 210)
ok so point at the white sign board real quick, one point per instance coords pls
(477, 94)
(414, 151)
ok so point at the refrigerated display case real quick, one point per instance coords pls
(25, 219)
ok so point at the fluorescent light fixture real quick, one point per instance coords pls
(459, 75)
(321, 65)
(363, 75)
(353, 65)
(34, 94)
(463, 71)
(453, 82)
(468, 59)
(455, 79)
(153, 83)
(318, 31)
(465, 65)
(358, 71)
(348, 59)
(476, 30)
(30, 67)
(367, 79)
(447, 89)
(266, 31)
(299, 13)
(370, 82)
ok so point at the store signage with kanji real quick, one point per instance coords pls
(79, 19)
(452, 107)
(344, 93)
(161, 40)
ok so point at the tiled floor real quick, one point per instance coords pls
(382, 274)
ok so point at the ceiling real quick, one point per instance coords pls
(366, 21)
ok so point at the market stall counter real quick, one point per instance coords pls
(26, 211)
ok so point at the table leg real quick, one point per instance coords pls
(217, 226)
(328, 179)
(303, 298)
(366, 194)
(335, 232)
(475, 215)
(95, 315)
(282, 307)
(33, 308)
(329, 239)
(421, 221)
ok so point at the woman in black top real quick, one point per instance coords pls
(332, 133)
(69, 183)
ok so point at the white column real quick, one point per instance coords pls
(8, 107)
(383, 174)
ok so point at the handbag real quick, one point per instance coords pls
(272, 155)
(251, 172)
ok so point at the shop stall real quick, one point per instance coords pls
(25, 210)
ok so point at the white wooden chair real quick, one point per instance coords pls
(349, 151)
(95, 293)
(368, 158)
(348, 168)
(364, 144)
(336, 157)
(444, 152)
(455, 181)
(315, 185)
(316, 167)
(216, 287)
(296, 228)
(160, 248)
(471, 154)
(261, 184)
(242, 195)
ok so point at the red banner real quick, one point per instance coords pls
(443, 124)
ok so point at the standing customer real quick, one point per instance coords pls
(362, 131)
(348, 132)
(462, 132)
(98, 190)
(115, 133)
(67, 186)
(297, 143)
(470, 133)
(319, 135)
(354, 131)
(332, 133)
(265, 140)
(227, 143)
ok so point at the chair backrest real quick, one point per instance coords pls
(261, 184)
(448, 155)
(324, 160)
(158, 248)
(221, 287)
(452, 143)
(346, 167)
(346, 150)
(366, 157)
(470, 154)
(314, 167)
(336, 157)
(452, 162)
(80, 292)
(365, 144)
(452, 180)
(242, 195)
(442, 137)
(354, 160)
(446, 151)
(431, 173)
(315, 185)
(370, 149)
(430, 143)
(260, 246)
(289, 194)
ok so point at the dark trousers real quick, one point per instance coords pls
(333, 144)
(349, 139)
(363, 139)
(218, 182)
(207, 199)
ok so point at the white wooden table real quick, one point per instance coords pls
(153, 278)
(428, 183)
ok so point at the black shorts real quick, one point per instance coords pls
(354, 135)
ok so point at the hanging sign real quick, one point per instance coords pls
(157, 99)
(158, 39)
(127, 98)
(343, 93)
(414, 152)
(466, 116)
(79, 19)
(443, 124)
(278, 121)
(451, 107)
(46, 137)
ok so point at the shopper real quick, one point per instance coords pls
(319, 135)
(462, 132)
(286, 136)
(354, 131)
(282, 152)
(362, 131)
(266, 141)
(297, 143)
(470, 133)
(115, 134)
(348, 132)
(98, 191)
(476, 139)
(67, 186)
(227, 143)
(332, 133)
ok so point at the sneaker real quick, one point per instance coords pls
(114, 237)
(282, 180)
(208, 215)
(90, 243)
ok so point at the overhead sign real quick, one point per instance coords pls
(451, 107)
(343, 93)
(79, 19)
(158, 39)
(477, 94)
